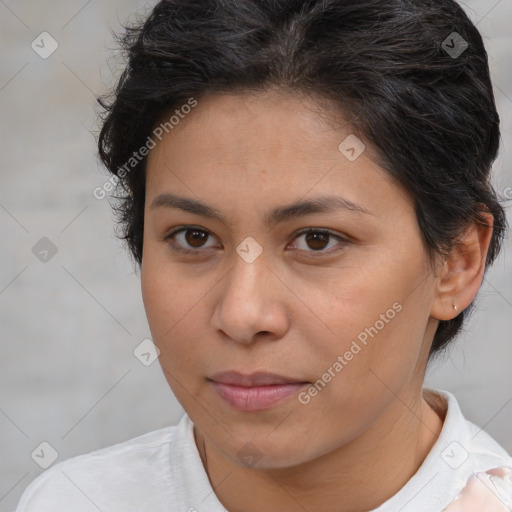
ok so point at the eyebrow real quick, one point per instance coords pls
(322, 204)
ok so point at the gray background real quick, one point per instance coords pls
(69, 325)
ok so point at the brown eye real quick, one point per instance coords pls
(317, 240)
(196, 237)
(189, 239)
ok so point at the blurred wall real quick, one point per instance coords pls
(71, 308)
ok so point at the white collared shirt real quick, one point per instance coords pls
(161, 471)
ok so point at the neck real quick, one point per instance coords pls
(356, 477)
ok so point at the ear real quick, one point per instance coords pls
(461, 274)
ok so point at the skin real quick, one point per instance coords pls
(298, 306)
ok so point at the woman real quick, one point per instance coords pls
(306, 191)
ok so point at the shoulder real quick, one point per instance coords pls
(470, 444)
(461, 451)
(125, 472)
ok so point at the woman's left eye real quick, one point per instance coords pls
(318, 240)
(190, 239)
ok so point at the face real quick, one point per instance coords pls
(281, 327)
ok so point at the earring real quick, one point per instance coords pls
(455, 307)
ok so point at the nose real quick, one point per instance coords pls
(252, 303)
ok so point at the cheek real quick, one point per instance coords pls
(374, 319)
(354, 391)
(164, 297)
(354, 303)
(175, 308)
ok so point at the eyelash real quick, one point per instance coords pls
(170, 238)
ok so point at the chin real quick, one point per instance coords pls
(265, 452)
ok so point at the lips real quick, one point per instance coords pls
(254, 379)
(254, 392)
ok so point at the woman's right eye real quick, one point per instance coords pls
(188, 239)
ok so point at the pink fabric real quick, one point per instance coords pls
(486, 492)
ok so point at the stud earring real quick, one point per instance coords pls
(455, 307)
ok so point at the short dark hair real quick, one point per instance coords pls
(429, 112)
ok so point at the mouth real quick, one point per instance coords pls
(256, 391)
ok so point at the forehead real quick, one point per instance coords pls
(269, 144)
(236, 125)
(244, 131)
